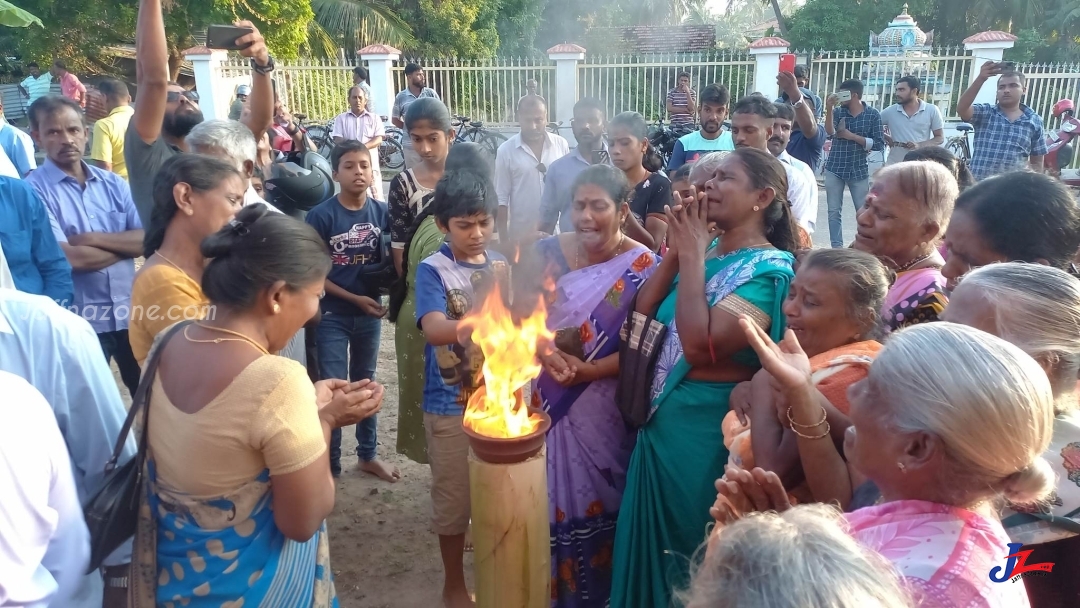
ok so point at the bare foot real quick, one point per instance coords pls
(381, 470)
(458, 599)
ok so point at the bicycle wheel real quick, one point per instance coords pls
(491, 141)
(958, 148)
(391, 155)
(320, 136)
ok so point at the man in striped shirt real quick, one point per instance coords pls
(682, 104)
(37, 84)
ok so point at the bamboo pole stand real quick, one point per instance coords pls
(510, 533)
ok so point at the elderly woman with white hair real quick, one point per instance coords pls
(948, 420)
(801, 558)
(1037, 308)
(232, 142)
(906, 212)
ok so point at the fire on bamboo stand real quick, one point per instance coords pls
(507, 464)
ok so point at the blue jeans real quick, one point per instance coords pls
(834, 194)
(348, 347)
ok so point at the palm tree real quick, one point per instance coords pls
(352, 24)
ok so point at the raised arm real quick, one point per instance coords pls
(151, 71)
(261, 100)
(964, 105)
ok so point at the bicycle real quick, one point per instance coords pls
(554, 127)
(391, 152)
(318, 133)
(475, 132)
(958, 144)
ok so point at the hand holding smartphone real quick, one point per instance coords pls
(787, 63)
(843, 96)
(225, 36)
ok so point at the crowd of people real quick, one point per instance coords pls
(889, 422)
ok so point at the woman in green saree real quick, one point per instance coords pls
(680, 450)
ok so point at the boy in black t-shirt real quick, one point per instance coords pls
(352, 224)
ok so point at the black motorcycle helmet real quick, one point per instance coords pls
(298, 183)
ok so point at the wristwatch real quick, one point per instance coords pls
(800, 103)
(263, 69)
(116, 582)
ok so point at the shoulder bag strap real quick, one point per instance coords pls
(141, 398)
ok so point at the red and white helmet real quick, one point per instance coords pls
(1062, 107)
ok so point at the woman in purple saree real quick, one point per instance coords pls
(596, 271)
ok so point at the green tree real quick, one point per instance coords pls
(847, 24)
(353, 24)
(518, 25)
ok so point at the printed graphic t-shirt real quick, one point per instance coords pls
(453, 372)
(693, 146)
(650, 196)
(356, 248)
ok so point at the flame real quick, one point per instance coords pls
(497, 409)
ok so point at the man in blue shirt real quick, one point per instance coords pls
(95, 223)
(711, 137)
(1008, 135)
(856, 131)
(353, 224)
(18, 146)
(588, 126)
(807, 137)
(35, 260)
(57, 353)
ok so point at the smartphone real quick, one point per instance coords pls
(843, 96)
(225, 37)
(787, 63)
(1007, 66)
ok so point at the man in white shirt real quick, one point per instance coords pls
(753, 124)
(44, 543)
(911, 122)
(361, 124)
(804, 188)
(520, 166)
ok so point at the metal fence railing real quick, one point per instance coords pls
(485, 90)
(318, 88)
(641, 83)
(944, 74)
(1047, 84)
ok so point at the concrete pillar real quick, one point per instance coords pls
(987, 46)
(766, 53)
(381, 58)
(566, 57)
(214, 92)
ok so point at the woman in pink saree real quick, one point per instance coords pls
(949, 420)
(905, 214)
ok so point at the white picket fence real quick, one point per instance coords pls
(488, 90)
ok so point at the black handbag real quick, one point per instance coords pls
(641, 339)
(112, 513)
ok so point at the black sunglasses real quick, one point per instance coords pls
(542, 168)
(174, 96)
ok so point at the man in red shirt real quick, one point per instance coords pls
(70, 85)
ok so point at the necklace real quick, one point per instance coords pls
(577, 257)
(169, 262)
(240, 337)
(915, 262)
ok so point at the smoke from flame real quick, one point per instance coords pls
(498, 409)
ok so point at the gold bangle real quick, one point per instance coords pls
(828, 429)
(824, 417)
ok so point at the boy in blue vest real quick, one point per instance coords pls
(448, 286)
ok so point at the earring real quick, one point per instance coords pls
(756, 208)
(189, 211)
(902, 467)
(277, 308)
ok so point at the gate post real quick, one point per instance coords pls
(381, 58)
(214, 95)
(984, 47)
(766, 53)
(566, 57)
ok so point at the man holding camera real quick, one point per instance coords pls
(856, 131)
(1008, 135)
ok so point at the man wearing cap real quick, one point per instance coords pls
(807, 138)
(237, 107)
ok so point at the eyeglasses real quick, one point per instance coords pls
(174, 96)
(542, 168)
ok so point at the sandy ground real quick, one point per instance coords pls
(382, 550)
(381, 546)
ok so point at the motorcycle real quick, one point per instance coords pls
(1060, 144)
